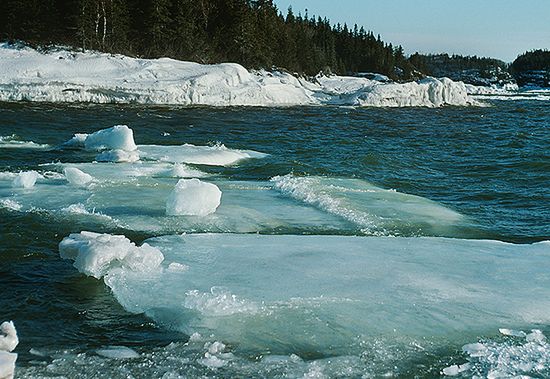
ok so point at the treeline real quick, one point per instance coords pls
(440, 64)
(253, 33)
(532, 68)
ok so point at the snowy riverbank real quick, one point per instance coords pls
(67, 76)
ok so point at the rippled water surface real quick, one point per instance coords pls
(475, 173)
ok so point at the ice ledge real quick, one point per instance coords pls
(68, 76)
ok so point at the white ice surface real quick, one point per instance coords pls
(69, 76)
(318, 293)
(192, 197)
(118, 137)
(77, 177)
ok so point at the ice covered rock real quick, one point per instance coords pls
(97, 254)
(192, 197)
(26, 179)
(77, 177)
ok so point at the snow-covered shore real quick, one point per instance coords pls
(66, 76)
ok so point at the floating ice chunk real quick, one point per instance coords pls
(512, 333)
(118, 156)
(8, 336)
(117, 352)
(454, 370)
(118, 137)
(77, 177)
(192, 197)
(97, 254)
(535, 336)
(26, 179)
(212, 361)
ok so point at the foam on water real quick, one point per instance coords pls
(376, 210)
(13, 142)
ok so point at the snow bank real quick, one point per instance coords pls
(8, 342)
(67, 76)
(192, 197)
(97, 254)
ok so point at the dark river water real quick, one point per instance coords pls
(474, 173)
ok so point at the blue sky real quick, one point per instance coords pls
(495, 28)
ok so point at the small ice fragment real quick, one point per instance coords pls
(535, 336)
(25, 179)
(177, 267)
(216, 347)
(454, 370)
(195, 337)
(475, 349)
(512, 332)
(192, 197)
(8, 336)
(76, 177)
(8, 342)
(212, 361)
(37, 352)
(165, 134)
(117, 352)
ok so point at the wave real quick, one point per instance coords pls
(375, 210)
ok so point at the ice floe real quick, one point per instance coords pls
(70, 76)
(319, 292)
(26, 179)
(192, 197)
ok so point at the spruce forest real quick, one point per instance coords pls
(253, 33)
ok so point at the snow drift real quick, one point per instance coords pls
(68, 76)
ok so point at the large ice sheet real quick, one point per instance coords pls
(68, 76)
(292, 294)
